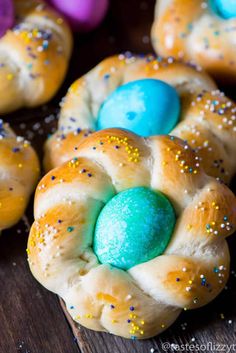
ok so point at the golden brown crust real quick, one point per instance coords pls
(190, 30)
(34, 56)
(64, 147)
(208, 120)
(19, 174)
(145, 300)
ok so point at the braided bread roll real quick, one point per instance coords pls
(19, 174)
(207, 121)
(34, 56)
(191, 30)
(146, 299)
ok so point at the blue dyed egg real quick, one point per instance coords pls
(135, 226)
(146, 107)
(226, 8)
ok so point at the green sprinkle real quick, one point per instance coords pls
(70, 229)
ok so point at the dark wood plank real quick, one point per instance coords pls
(31, 319)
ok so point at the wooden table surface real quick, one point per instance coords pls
(31, 318)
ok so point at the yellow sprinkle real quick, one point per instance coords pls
(10, 77)
(28, 251)
(89, 316)
(142, 322)
(60, 21)
(35, 32)
(190, 282)
(20, 165)
(32, 243)
(141, 332)
(162, 325)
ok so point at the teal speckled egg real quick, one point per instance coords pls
(225, 8)
(135, 226)
(146, 107)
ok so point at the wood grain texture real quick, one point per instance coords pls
(31, 319)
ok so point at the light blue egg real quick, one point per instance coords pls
(146, 107)
(225, 8)
(135, 226)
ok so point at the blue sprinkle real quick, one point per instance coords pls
(16, 149)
